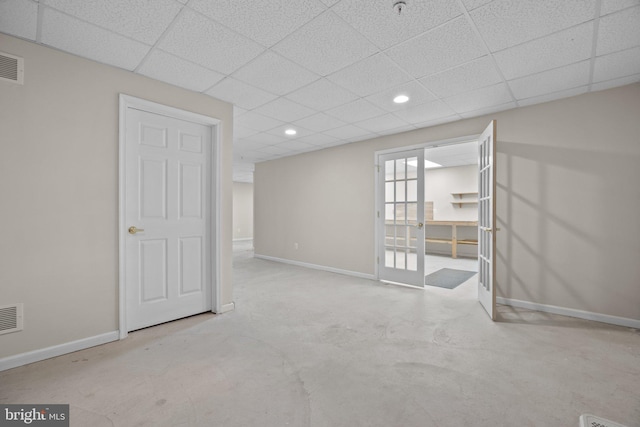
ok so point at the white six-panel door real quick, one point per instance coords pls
(168, 235)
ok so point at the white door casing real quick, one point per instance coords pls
(487, 219)
(168, 192)
(400, 217)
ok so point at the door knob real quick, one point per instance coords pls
(134, 230)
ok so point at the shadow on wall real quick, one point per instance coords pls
(570, 222)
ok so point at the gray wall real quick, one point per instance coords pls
(568, 193)
(59, 192)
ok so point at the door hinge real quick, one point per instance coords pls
(378, 260)
(378, 214)
(378, 166)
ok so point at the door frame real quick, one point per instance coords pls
(128, 101)
(377, 190)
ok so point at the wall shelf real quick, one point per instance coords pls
(462, 199)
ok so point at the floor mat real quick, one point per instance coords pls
(448, 278)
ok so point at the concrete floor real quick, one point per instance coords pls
(311, 348)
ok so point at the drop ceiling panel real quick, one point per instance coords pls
(320, 122)
(553, 96)
(78, 37)
(141, 20)
(330, 2)
(619, 31)
(240, 132)
(240, 93)
(276, 73)
(488, 110)
(555, 80)
(321, 140)
(381, 123)
(415, 91)
(257, 121)
(425, 112)
(634, 78)
(356, 111)
(370, 75)
(297, 146)
(506, 23)
(325, 45)
(348, 132)
(279, 132)
(475, 74)
(265, 21)
(283, 109)
(556, 50)
(322, 95)
(273, 149)
(474, 4)
(171, 69)
(208, 43)
(378, 22)
(610, 6)
(19, 18)
(264, 139)
(447, 46)
(616, 65)
(480, 98)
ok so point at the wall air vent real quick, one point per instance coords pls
(11, 68)
(11, 318)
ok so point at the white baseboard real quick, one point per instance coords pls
(587, 315)
(56, 350)
(317, 267)
(227, 307)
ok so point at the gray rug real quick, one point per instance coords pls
(448, 278)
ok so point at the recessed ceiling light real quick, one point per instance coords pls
(290, 131)
(400, 99)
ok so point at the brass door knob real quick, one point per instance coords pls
(134, 230)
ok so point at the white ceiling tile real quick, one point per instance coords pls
(610, 6)
(347, 132)
(553, 96)
(382, 123)
(78, 37)
(240, 132)
(438, 121)
(320, 139)
(330, 2)
(237, 111)
(356, 111)
(478, 73)
(383, 26)
(393, 131)
(275, 73)
(285, 110)
(619, 31)
(480, 98)
(266, 138)
(635, 78)
(489, 110)
(240, 93)
(425, 112)
(257, 121)
(208, 43)
(505, 23)
(451, 44)
(321, 95)
(265, 21)
(19, 18)
(616, 65)
(274, 149)
(550, 81)
(320, 122)
(325, 45)
(297, 146)
(371, 75)
(556, 50)
(415, 91)
(474, 4)
(168, 68)
(141, 20)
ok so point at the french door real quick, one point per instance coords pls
(400, 217)
(487, 220)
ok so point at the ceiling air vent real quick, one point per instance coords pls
(11, 68)
(10, 318)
